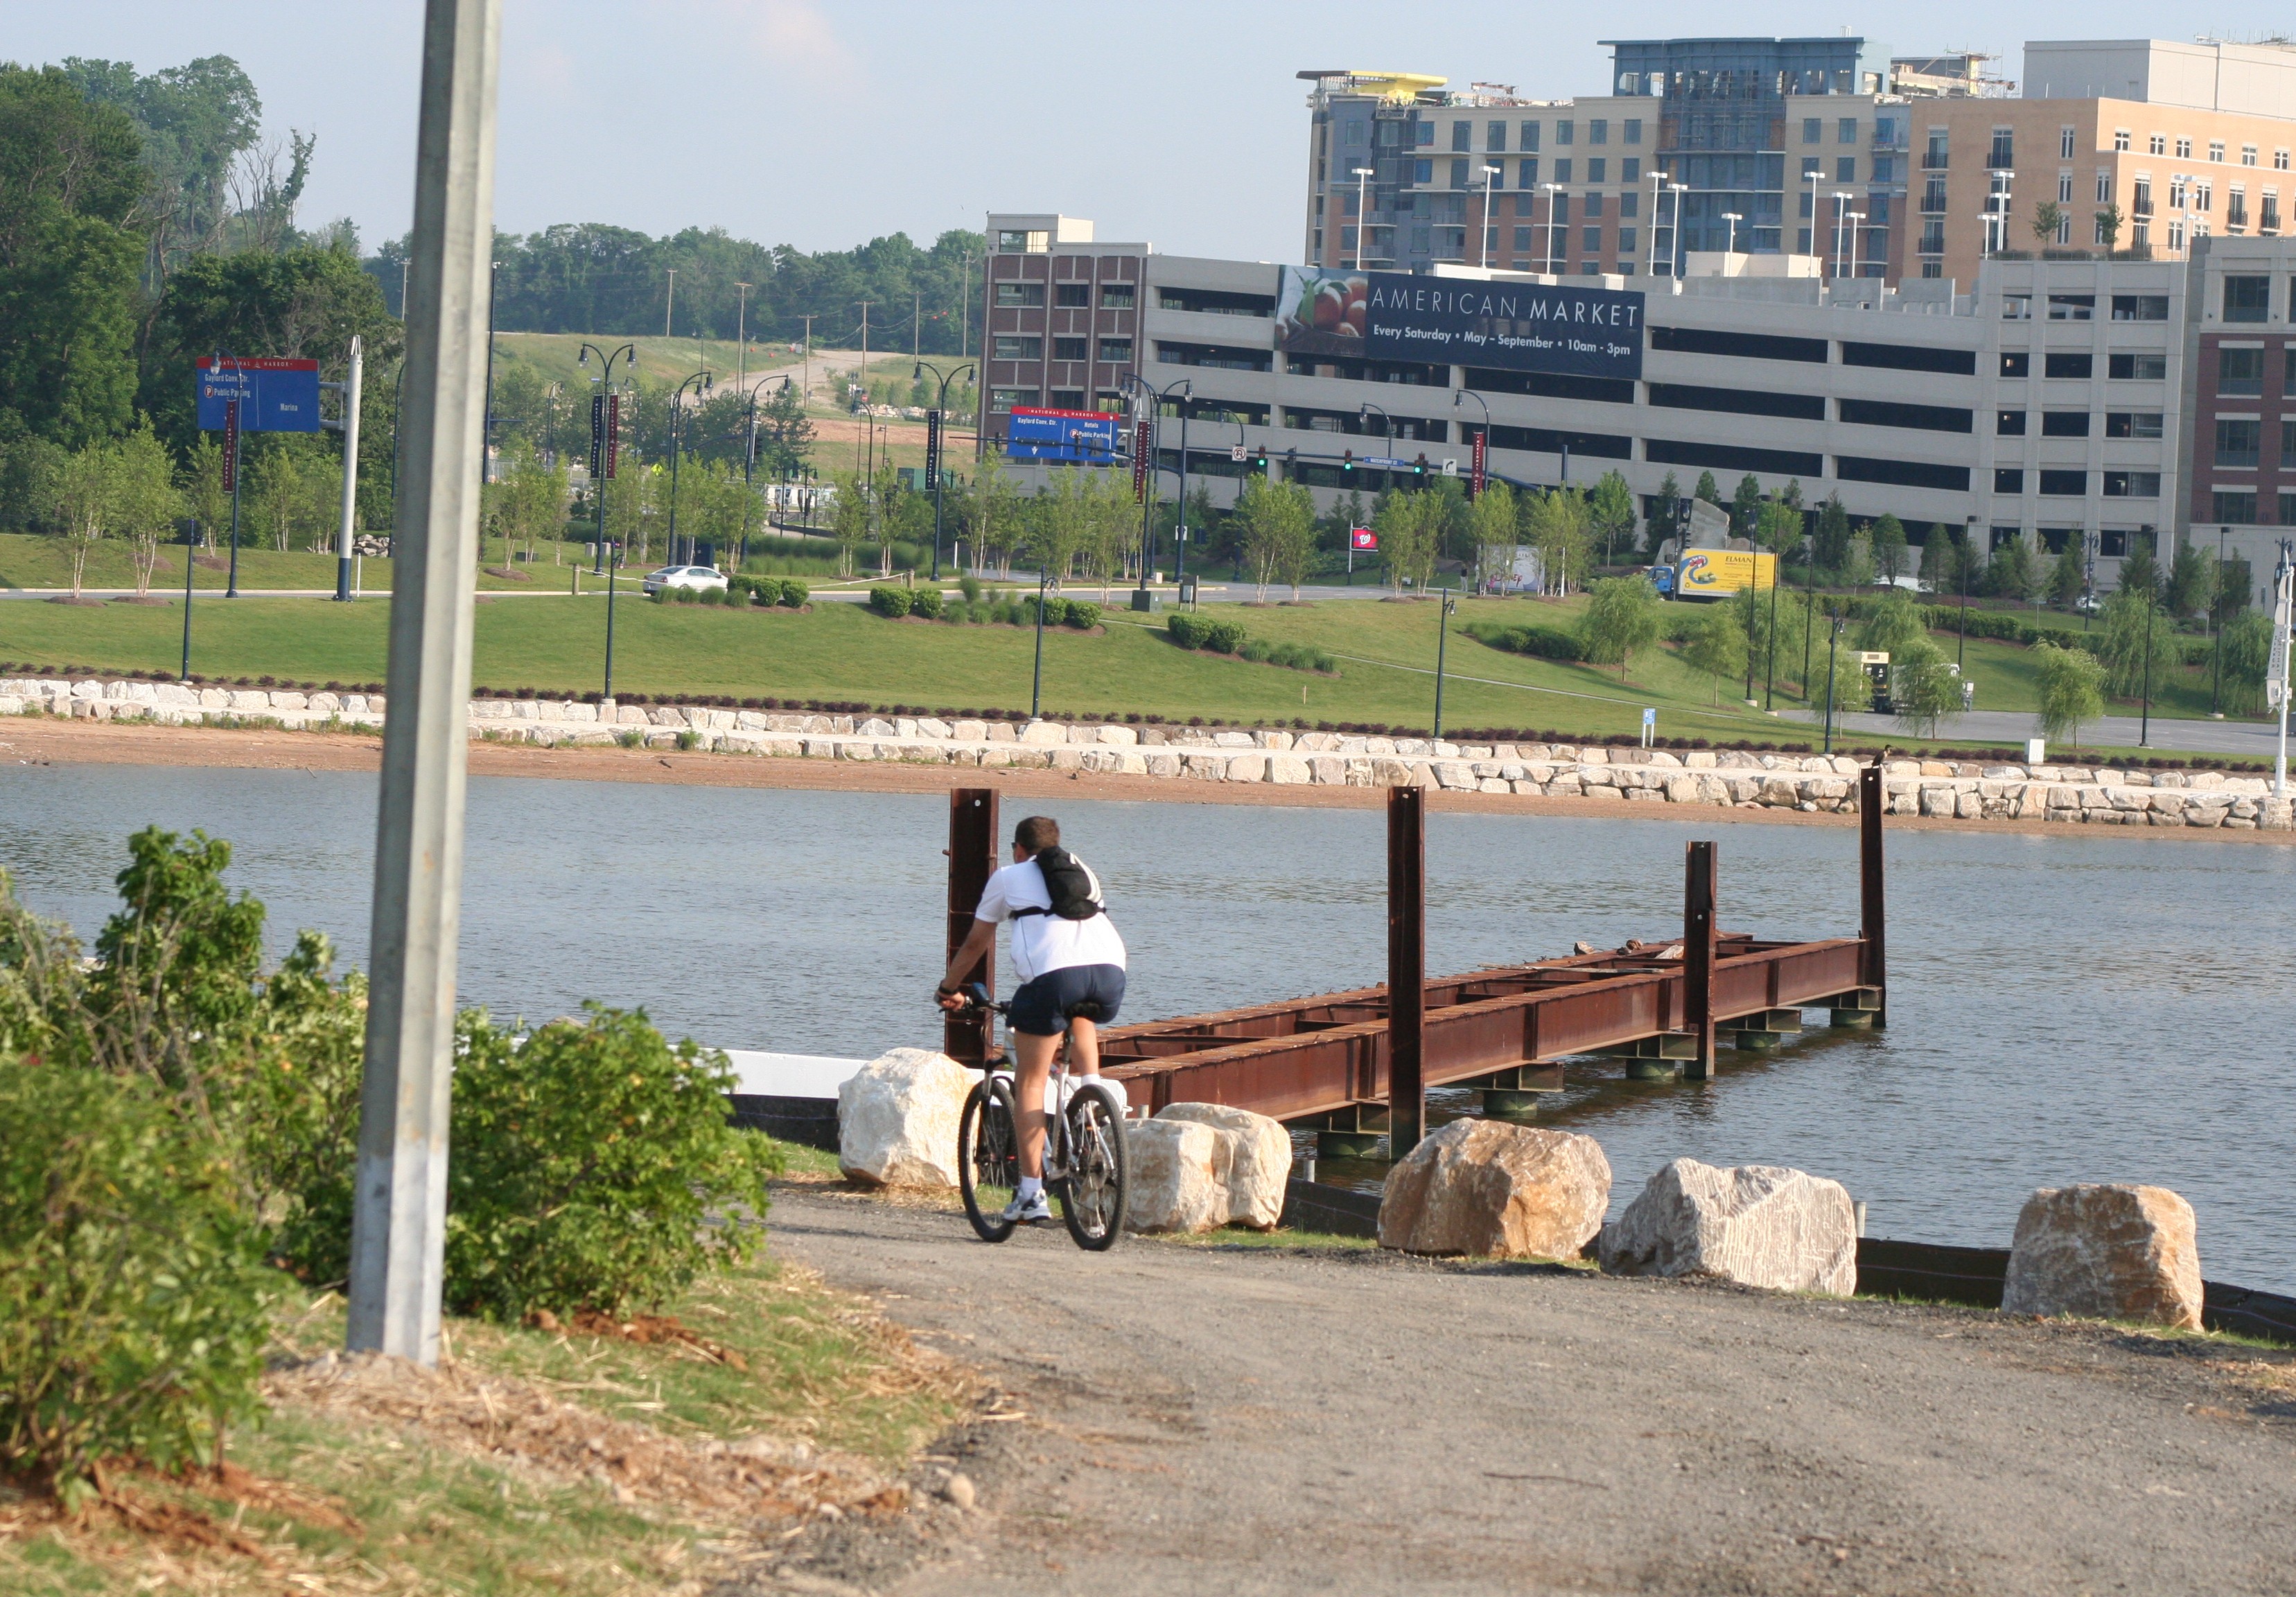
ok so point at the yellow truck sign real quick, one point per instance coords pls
(1711, 573)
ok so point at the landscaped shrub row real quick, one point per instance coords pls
(1546, 643)
(928, 605)
(1228, 638)
(762, 592)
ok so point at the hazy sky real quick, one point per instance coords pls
(822, 124)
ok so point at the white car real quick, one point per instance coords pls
(695, 577)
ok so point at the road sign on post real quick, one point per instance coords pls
(274, 395)
(1238, 453)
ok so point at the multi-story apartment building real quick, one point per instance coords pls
(2052, 402)
(1918, 167)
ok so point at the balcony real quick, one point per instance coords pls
(1934, 161)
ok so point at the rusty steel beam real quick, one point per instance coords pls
(1698, 956)
(1869, 885)
(1323, 1070)
(1406, 966)
(971, 861)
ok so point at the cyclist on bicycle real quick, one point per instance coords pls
(1070, 964)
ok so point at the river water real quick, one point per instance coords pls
(2075, 1006)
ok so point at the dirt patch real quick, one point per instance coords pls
(645, 1331)
(65, 598)
(138, 598)
(506, 574)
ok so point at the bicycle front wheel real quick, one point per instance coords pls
(1093, 1191)
(989, 1157)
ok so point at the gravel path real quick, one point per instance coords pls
(1253, 1420)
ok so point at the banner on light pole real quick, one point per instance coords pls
(597, 435)
(932, 449)
(1140, 446)
(613, 434)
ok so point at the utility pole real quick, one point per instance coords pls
(398, 1214)
(352, 381)
(870, 449)
(669, 301)
(805, 395)
(742, 336)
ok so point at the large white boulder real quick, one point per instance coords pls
(1485, 1187)
(1194, 1167)
(897, 1119)
(2106, 1252)
(1760, 1225)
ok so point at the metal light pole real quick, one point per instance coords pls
(2284, 583)
(399, 1199)
(352, 379)
(1832, 653)
(2144, 725)
(2216, 628)
(1657, 178)
(1553, 235)
(1734, 218)
(1961, 644)
(1674, 250)
(1841, 198)
(1443, 610)
(1482, 243)
(748, 469)
(1036, 681)
(940, 410)
(676, 405)
(1362, 211)
(191, 548)
(1856, 216)
(606, 384)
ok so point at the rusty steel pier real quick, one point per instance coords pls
(1355, 1067)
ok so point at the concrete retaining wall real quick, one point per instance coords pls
(2072, 794)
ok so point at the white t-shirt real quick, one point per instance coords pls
(1043, 943)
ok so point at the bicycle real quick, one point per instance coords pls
(1084, 1163)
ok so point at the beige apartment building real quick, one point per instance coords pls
(1882, 166)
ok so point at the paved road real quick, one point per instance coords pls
(2247, 739)
(1254, 1422)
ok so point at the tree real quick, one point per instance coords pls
(204, 499)
(1557, 523)
(2138, 643)
(1279, 529)
(849, 518)
(71, 178)
(1923, 688)
(784, 436)
(2009, 574)
(2048, 220)
(1668, 521)
(1777, 528)
(193, 123)
(2108, 225)
(1852, 692)
(2067, 579)
(1716, 645)
(2069, 684)
(2140, 573)
(1888, 545)
(83, 504)
(1893, 627)
(1707, 488)
(1409, 523)
(1745, 507)
(1830, 547)
(2247, 645)
(275, 492)
(1857, 561)
(2235, 586)
(1622, 616)
(992, 512)
(2191, 580)
(1491, 523)
(144, 503)
(1611, 511)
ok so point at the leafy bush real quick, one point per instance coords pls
(1224, 637)
(1257, 651)
(794, 593)
(969, 585)
(585, 1160)
(926, 602)
(1186, 629)
(958, 613)
(893, 602)
(685, 595)
(1082, 615)
(133, 1299)
(1544, 643)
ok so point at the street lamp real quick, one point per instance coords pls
(1657, 178)
(677, 406)
(604, 378)
(1482, 244)
(1997, 209)
(1840, 206)
(1832, 653)
(1553, 237)
(1450, 602)
(749, 467)
(940, 408)
(1733, 219)
(1185, 388)
(1674, 233)
(1363, 211)
(1856, 270)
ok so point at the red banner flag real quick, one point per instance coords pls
(1362, 537)
(1482, 450)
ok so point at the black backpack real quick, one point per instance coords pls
(1075, 890)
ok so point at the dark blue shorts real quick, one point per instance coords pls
(1043, 1008)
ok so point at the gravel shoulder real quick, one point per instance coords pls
(1252, 1419)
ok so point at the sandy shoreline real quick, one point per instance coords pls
(57, 742)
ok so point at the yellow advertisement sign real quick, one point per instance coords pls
(1714, 572)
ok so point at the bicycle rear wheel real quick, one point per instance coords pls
(1093, 1191)
(989, 1157)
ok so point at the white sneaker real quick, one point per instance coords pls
(1027, 1210)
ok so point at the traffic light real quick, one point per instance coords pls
(1348, 463)
(1419, 466)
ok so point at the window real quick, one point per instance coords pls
(2240, 373)
(1116, 296)
(1598, 130)
(2158, 144)
(2008, 480)
(1627, 174)
(1565, 132)
(1736, 402)
(1884, 413)
(1932, 240)
(2003, 157)
(2009, 424)
(2140, 200)
(1845, 169)
(1884, 169)
(1072, 295)
(2064, 143)
(1630, 131)
(2135, 367)
(1462, 135)
(1067, 399)
(2287, 509)
(2065, 188)
(1562, 169)
(1459, 165)
(2132, 423)
(1522, 240)
(2002, 538)
(1529, 140)
(1910, 358)
(1526, 172)
(1630, 168)
(2064, 423)
(1746, 346)
(2064, 484)
(1422, 133)
(2233, 507)
(2016, 363)
(1730, 458)
(2236, 208)
(2239, 440)
(2140, 307)
(1214, 301)
(2267, 215)
(1909, 473)
(1116, 350)
(2177, 190)
(1495, 136)
(1346, 239)
(1014, 347)
(1592, 241)
(1071, 348)
(1933, 158)
(1627, 238)
(2064, 364)
(1934, 197)
(2185, 149)
(1423, 172)
(1846, 131)
(1812, 130)
(1594, 205)
(1597, 165)
(1019, 295)
(1352, 132)
(2248, 155)
(2288, 373)
(1559, 205)
(2287, 444)
(2216, 150)
(2072, 308)
(2104, 188)
(2247, 299)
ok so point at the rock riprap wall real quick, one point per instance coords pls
(2101, 796)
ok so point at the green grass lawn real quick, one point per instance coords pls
(1387, 654)
(27, 560)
